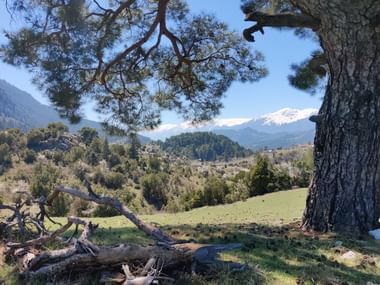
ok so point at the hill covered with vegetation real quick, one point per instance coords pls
(205, 146)
(144, 177)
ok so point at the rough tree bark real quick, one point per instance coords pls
(344, 192)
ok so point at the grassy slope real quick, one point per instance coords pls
(272, 209)
(267, 226)
(285, 254)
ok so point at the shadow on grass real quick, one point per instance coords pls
(283, 253)
(286, 252)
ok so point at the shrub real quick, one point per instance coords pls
(105, 211)
(79, 207)
(60, 206)
(76, 153)
(154, 164)
(58, 157)
(215, 191)
(34, 137)
(44, 179)
(98, 177)
(154, 186)
(113, 160)
(118, 149)
(56, 129)
(80, 170)
(237, 192)
(30, 156)
(127, 196)
(5, 157)
(283, 181)
(114, 180)
(87, 135)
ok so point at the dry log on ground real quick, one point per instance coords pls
(81, 255)
(187, 256)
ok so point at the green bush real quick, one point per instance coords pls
(5, 157)
(44, 179)
(113, 160)
(56, 129)
(34, 137)
(76, 153)
(29, 156)
(283, 181)
(154, 186)
(114, 180)
(87, 135)
(93, 153)
(105, 211)
(58, 157)
(98, 176)
(238, 191)
(215, 191)
(60, 206)
(154, 164)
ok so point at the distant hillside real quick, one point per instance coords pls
(18, 109)
(256, 140)
(205, 146)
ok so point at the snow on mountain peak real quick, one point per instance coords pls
(287, 115)
(214, 123)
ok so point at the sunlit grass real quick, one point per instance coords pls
(272, 242)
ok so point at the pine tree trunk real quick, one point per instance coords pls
(344, 194)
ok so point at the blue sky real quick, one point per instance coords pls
(281, 49)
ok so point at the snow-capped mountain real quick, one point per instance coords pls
(284, 120)
(282, 128)
(287, 116)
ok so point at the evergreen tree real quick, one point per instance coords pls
(77, 51)
(344, 192)
(106, 149)
(87, 135)
(134, 146)
(260, 179)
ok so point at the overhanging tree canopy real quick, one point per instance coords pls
(140, 56)
(345, 191)
(134, 57)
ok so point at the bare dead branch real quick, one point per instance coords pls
(149, 229)
(16, 214)
(88, 229)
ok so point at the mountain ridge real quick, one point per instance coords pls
(283, 128)
(19, 109)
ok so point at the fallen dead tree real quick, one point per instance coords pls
(139, 264)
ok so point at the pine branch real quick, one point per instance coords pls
(289, 20)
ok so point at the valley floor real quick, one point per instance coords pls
(268, 228)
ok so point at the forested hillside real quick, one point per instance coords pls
(144, 177)
(204, 146)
